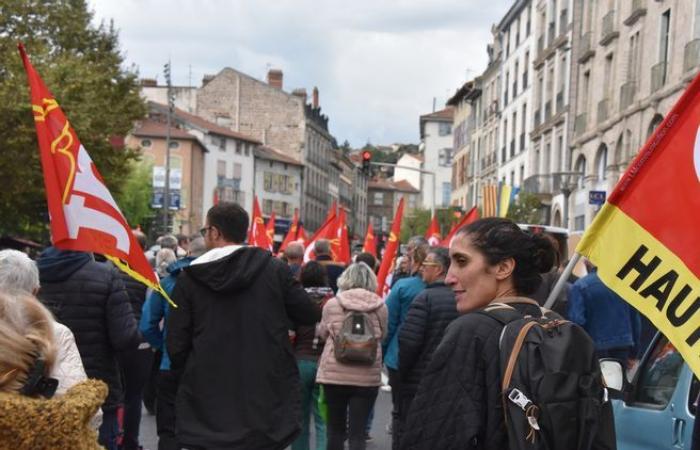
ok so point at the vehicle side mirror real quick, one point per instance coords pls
(613, 374)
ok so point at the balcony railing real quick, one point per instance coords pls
(608, 32)
(586, 48)
(537, 118)
(638, 10)
(627, 91)
(548, 110)
(538, 184)
(658, 76)
(691, 56)
(581, 123)
(603, 112)
(560, 101)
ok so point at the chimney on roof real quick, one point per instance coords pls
(274, 78)
(301, 93)
(206, 79)
(315, 98)
(149, 82)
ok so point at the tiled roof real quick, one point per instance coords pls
(389, 185)
(265, 152)
(152, 128)
(210, 127)
(405, 186)
(444, 114)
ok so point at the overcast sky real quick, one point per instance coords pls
(378, 64)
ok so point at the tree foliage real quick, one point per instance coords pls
(526, 209)
(417, 223)
(134, 199)
(81, 65)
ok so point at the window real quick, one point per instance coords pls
(525, 67)
(522, 174)
(174, 144)
(512, 177)
(581, 168)
(175, 162)
(602, 162)
(237, 170)
(445, 129)
(267, 207)
(246, 149)
(219, 142)
(446, 191)
(505, 94)
(268, 182)
(515, 79)
(221, 169)
(378, 198)
(579, 223)
(237, 146)
(664, 36)
(145, 143)
(659, 375)
(633, 57)
(445, 157)
(412, 201)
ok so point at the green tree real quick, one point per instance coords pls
(81, 65)
(415, 224)
(134, 199)
(526, 209)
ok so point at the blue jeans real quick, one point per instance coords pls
(310, 392)
(108, 430)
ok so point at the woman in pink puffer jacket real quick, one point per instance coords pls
(351, 388)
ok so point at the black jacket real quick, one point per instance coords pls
(458, 403)
(333, 270)
(89, 298)
(240, 388)
(430, 313)
(137, 294)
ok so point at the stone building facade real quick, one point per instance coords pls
(436, 148)
(462, 128)
(383, 196)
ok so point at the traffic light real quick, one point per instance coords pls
(366, 160)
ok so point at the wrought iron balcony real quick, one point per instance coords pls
(609, 31)
(603, 112)
(581, 123)
(586, 48)
(658, 76)
(638, 10)
(691, 55)
(627, 92)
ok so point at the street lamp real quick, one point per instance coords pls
(567, 182)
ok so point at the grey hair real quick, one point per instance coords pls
(418, 241)
(164, 258)
(322, 247)
(168, 241)
(295, 250)
(441, 255)
(197, 246)
(18, 272)
(358, 276)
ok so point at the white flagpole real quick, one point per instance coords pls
(561, 281)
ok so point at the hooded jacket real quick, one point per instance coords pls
(90, 299)
(330, 371)
(398, 302)
(240, 386)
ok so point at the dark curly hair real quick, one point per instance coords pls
(499, 239)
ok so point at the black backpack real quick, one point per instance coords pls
(552, 389)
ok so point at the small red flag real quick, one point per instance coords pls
(391, 248)
(270, 230)
(257, 235)
(433, 232)
(301, 235)
(370, 245)
(468, 218)
(83, 214)
(322, 233)
(292, 232)
(340, 244)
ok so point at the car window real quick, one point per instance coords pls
(659, 376)
(693, 396)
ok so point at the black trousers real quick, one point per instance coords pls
(348, 407)
(136, 367)
(165, 413)
(395, 383)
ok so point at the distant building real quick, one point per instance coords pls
(437, 149)
(462, 129)
(413, 177)
(383, 199)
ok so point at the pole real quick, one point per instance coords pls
(166, 197)
(561, 281)
(432, 212)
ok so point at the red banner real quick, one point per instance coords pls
(468, 218)
(391, 248)
(291, 233)
(432, 234)
(370, 245)
(257, 235)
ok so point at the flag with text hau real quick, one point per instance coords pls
(646, 239)
(84, 216)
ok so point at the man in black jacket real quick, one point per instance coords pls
(430, 313)
(89, 298)
(240, 386)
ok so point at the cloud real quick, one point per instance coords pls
(378, 64)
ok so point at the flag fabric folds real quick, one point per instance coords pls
(338, 235)
(84, 215)
(370, 245)
(432, 234)
(270, 230)
(489, 206)
(504, 198)
(466, 219)
(645, 239)
(390, 249)
(257, 234)
(326, 229)
(291, 233)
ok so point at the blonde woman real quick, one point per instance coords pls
(32, 417)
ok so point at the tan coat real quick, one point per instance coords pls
(331, 371)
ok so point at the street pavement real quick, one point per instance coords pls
(380, 438)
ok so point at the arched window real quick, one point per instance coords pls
(601, 162)
(619, 151)
(655, 122)
(580, 167)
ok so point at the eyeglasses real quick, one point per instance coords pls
(204, 230)
(430, 264)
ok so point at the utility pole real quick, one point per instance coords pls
(171, 105)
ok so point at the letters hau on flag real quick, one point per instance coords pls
(466, 219)
(390, 250)
(646, 240)
(370, 245)
(257, 235)
(490, 200)
(432, 234)
(291, 233)
(84, 216)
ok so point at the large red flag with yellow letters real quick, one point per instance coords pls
(83, 214)
(645, 240)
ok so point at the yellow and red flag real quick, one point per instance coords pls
(340, 243)
(84, 215)
(645, 239)
(432, 234)
(370, 245)
(466, 219)
(323, 232)
(257, 234)
(292, 232)
(390, 250)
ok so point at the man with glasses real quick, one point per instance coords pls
(240, 386)
(430, 313)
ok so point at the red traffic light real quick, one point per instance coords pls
(366, 155)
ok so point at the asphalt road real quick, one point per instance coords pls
(380, 438)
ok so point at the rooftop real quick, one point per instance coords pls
(270, 153)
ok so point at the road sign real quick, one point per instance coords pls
(596, 197)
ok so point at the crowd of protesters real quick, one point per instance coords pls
(250, 356)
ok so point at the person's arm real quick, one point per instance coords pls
(122, 329)
(393, 306)
(301, 309)
(179, 325)
(151, 315)
(68, 368)
(412, 334)
(577, 306)
(323, 326)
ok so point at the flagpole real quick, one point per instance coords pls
(561, 281)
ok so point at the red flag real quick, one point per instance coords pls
(340, 244)
(301, 235)
(333, 212)
(391, 248)
(432, 234)
(291, 233)
(270, 230)
(468, 218)
(257, 235)
(322, 233)
(370, 245)
(84, 216)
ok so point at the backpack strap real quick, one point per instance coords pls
(517, 346)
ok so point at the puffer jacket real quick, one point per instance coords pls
(429, 315)
(331, 371)
(307, 346)
(68, 369)
(90, 299)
